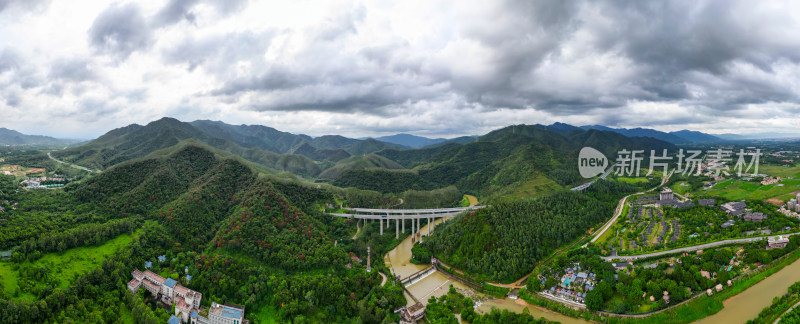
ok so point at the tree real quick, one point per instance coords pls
(594, 300)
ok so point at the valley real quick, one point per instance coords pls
(283, 242)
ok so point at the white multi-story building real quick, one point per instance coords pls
(168, 291)
(221, 314)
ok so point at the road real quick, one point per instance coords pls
(784, 313)
(70, 164)
(358, 229)
(590, 183)
(689, 248)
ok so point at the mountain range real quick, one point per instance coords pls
(494, 163)
(12, 137)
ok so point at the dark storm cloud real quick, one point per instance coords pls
(560, 57)
(119, 31)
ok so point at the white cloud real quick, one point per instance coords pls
(363, 68)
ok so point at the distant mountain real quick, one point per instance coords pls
(696, 137)
(136, 141)
(323, 148)
(263, 137)
(359, 162)
(731, 137)
(411, 141)
(642, 132)
(560, 128)
(679, 137)
(12, 137)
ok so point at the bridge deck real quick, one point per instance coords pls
(414, 211)
(406, 216)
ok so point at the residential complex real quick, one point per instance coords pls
(794, 204)
(168, 291)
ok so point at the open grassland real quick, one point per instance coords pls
(780, 171)
(64, 266)
(738, 189)
(539, 185)
(265, 315)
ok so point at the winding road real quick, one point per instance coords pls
(689, 248)
(70, 164)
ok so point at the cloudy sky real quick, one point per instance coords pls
(435, 68)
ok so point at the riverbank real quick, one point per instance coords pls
(745, 298)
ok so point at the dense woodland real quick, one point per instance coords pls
(505, 240)
(260, 243)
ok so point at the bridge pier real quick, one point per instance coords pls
(381, 225)
(397, 228)
(403, 220)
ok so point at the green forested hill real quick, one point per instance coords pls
(506, 240)
(519, 160)
(359, 162)
(258, 241)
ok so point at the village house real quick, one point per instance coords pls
(777, 242)
(411, 314)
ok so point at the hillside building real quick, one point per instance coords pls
(168, 291)
(734, 208)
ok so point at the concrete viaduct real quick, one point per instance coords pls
(400, 215)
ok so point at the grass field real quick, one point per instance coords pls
(265, 315)
(780, 171)
(537, 186)
(65, 266)
(632, 180)
(125, 314)
(738, 189)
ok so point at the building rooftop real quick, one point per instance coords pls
(227, 311)
(154, 276)
(174, 320)
(170, 282)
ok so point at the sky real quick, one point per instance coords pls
(77, 69)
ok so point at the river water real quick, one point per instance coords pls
(399, 260)
(438, 284)
(747, 304)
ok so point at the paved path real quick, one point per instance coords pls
(472, 200)
(784, 313)
(689, 248)
(70, 164)
(358, 229)
(383, 278)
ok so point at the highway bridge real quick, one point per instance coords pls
(401, 215)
